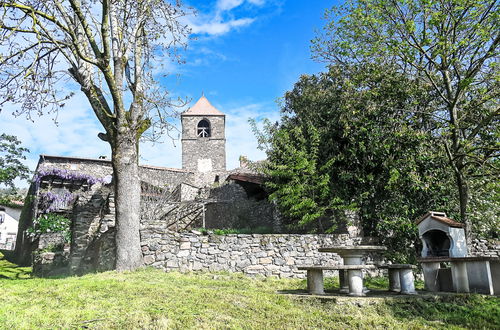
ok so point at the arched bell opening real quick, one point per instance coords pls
(203, 128)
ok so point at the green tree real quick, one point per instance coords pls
(108, 48)
(357, 134)
(299, 184)
(12, 156)
(450, 45)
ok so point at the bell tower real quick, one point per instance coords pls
(203, 138)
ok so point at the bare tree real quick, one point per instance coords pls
(108, 47)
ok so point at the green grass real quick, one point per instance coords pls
(11, 271)
(150, 298)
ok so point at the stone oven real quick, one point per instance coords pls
(441, 236)
(444, 259)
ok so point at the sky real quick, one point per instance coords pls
(242, 54)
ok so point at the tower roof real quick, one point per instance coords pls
(203, 108)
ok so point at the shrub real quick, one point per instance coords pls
(51, 223)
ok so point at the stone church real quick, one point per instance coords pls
(202, 194)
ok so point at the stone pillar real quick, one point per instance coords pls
(407, 281)
(315, 281)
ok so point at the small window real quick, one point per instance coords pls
(203, 128)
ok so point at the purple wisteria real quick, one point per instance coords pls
(66, 175)
(50, 202)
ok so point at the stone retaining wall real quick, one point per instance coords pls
(484, 247)
(257, 254)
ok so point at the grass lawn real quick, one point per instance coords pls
(150, 298)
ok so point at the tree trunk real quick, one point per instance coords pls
(128, 200)
(463, 195)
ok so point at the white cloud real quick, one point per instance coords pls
(228, 4)
(216, 27)
(231, 4)
(221, 20)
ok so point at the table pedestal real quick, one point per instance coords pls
(356, 283)
(355, 277)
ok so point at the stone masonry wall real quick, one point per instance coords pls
(484, 247)
(267, 255)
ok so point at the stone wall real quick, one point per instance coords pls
(484, 247)
(267, 255)
(164, 177)
(93, 231)
(232, 208)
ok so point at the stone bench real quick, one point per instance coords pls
(401, 278)
(355, 277)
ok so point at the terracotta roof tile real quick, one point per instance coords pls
(203, 108)
(449, 222)
(441, 217)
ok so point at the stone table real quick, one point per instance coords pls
(352, 255)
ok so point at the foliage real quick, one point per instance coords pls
(10, 202)
(354, 138)
(300, 183)
(11, 157)
(451, 46)
(51, 223)
(151, 298)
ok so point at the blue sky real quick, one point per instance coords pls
(244, 55)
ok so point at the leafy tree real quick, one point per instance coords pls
(11, 157)
(450, 45)
(108, 48)
(352, 138)
(298, 184)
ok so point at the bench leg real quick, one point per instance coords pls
(315, 281)
(394, 284)
(355, 282)
(343, 281)
(407, 281)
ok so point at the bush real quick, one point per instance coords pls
(51, 223)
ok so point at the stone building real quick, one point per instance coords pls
(200, 194)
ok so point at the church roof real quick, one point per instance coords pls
(203, 108)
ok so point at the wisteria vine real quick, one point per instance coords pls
(66, 175)
(50, 202)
